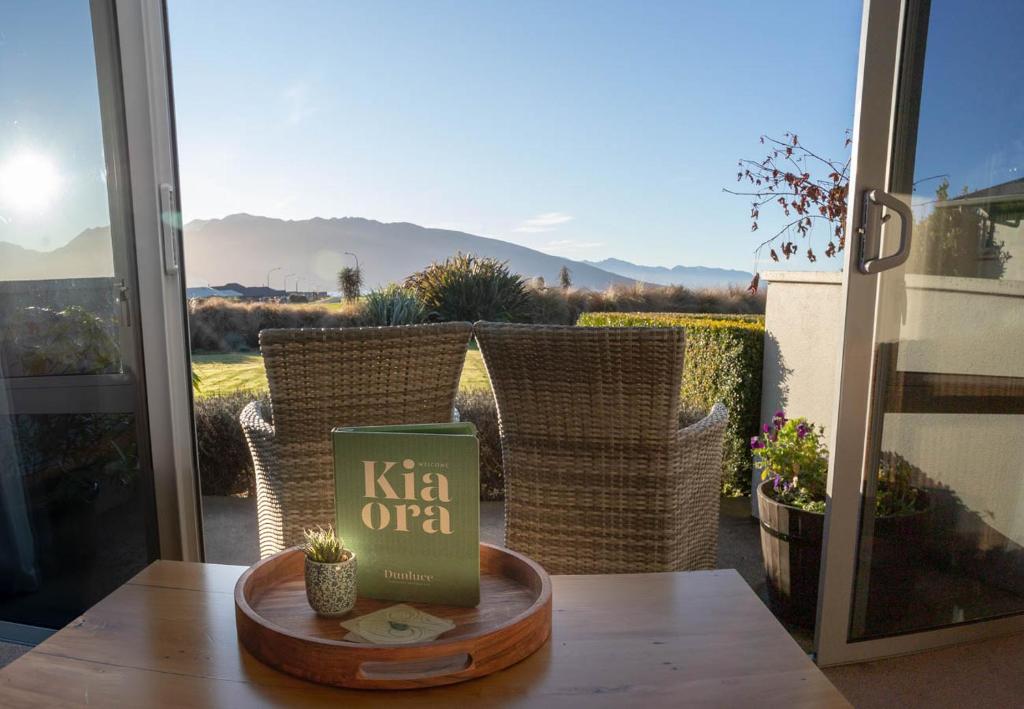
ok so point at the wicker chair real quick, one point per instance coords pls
(598, 476)
(320, 379)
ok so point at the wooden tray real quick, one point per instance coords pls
(276, 625)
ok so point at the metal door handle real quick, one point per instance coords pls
(170, 222)
(875, 200)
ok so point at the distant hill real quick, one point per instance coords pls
(242, 249)
(689, 276)
(314, 249)
(87, 255)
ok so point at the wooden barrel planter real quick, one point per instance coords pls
(791, 547)
(791, 541)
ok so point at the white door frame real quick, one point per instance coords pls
(149, 119)
(873, 138)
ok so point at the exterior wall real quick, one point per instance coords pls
(801, 347)
(951, 325)
(965, 326)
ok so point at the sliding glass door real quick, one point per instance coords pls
(78, 509)
(926, 521)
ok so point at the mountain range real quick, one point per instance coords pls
(690, 276)
(243, 248)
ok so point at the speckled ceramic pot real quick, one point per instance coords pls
(331, 588)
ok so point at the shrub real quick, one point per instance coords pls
(467, 287)
(563, 306)
(39, 341)
(225, 466)
(218, 325)
(393, 305)
(724, 356)
(550, 306)
(478, 407)
(675, 299)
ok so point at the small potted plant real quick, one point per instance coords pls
(791, 503)
(330, 573)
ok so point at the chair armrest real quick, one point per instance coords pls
(713, 424)
(255, 422)
(261, 436)
(700, 468)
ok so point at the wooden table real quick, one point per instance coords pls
(167, 638)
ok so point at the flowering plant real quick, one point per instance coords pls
(793, 456)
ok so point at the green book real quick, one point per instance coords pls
(407, 500)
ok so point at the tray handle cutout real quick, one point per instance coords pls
(416, 669)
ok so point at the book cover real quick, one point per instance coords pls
(407, 501)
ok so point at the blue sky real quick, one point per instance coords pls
(972, 112)
(49, 123)
(587, 129)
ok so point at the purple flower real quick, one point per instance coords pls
(755, 443)
(766, 428)
(801, 430)
(780, 485)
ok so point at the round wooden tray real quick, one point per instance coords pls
(276, 625)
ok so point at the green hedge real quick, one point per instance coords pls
(724, 356)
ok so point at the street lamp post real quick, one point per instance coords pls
(276, 268)
(287, 276)
(349, 253)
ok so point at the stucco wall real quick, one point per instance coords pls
(965, 326)
(947, 325)
(801, 346)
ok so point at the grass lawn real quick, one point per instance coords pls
(224, 373)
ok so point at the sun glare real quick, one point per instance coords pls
(29, 182)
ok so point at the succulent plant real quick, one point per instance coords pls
(324, 546)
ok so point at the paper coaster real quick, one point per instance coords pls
(396, 625)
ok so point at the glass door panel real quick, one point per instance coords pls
(77, 512)
(942, 523)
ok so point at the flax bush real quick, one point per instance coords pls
(393, 305)
(467, 287)
(724, 356)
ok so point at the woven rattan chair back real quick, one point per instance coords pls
(589, 422)
(323, 378)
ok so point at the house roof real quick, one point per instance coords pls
(252, 291)
(1003, 203)
(1014, 189)
(207, 292)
